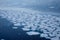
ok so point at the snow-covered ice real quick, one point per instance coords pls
(2, 39)
(14, 27)
(32, 33)
(25, 29)
(33, 20)
(52, 7)
(16, 24)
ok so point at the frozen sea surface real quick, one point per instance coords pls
(37, 24)
(29, 19)
(7, 32)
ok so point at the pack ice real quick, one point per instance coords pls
(34, 22)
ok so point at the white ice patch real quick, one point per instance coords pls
(32, 33)
(43, 35)
(25, 29)
(14, 27)
(33, 20)
(17, 24)
(56, 38)
(52, 7)
(2, 39)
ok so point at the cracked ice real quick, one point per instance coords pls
(34, 22)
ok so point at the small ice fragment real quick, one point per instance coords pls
(32, 33)
(51, 7)
(2, 39)
(56, 38)
(23, 24)
(15, 27)
(17, 24)
(25, 29)
(43, 35)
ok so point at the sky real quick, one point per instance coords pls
(34, 4)
(25, 2)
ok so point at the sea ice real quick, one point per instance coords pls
(25, 29)
(17, 24)
(2, 39)
(34, 21)
(32, 33)
(15, 27)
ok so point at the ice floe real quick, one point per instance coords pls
(14, 27)
(33, 20)
(32, 33)
(51, 7)
(2, 39)
(16, 24)
(26, 29)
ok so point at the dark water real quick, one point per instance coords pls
(7, 33)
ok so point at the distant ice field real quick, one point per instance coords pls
(45, 24)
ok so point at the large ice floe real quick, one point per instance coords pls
(34, 22)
